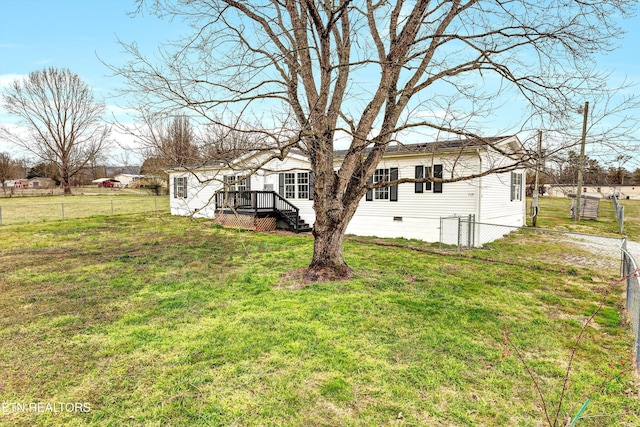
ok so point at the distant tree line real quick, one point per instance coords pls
(564, 170)
(10, 168)
(173, 142)
(16, 169)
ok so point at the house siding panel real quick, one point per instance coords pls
(420, 212)
(199, 201)
(413, 215)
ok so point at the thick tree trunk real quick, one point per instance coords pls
(332, 219)
(66, 182)
(327, 263)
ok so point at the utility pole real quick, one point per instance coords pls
(536, 191)
(576, 212)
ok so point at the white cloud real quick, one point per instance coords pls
(6, 79)
(126, 148)
(9, 147)
(123, 114)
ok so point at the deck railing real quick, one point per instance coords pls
(259, 202)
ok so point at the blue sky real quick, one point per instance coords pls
(74, 33)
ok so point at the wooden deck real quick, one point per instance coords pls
(261, 204)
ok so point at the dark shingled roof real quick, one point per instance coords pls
(432, 146)
(452, 144)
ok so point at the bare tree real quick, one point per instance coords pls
(167, 142)
(221, 144)
(63, 121)
(373, 73)
(175, 143)
(9, 169)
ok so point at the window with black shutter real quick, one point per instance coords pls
(383, 193)
(437, 173)
(369, 196)
(419, 186)
(423, 172)
(393, 190)
(292, 185)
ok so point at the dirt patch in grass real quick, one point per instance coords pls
(293, 280)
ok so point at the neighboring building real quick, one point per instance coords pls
(10, 183)
(602, 191)
(284, 189)
(106, 182)
(40, 183)
(126, 179)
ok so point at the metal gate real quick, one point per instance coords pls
(458, 231)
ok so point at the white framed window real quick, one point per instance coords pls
(303, 185)
(180, 187)
(382, 193)
(235, 183)
(516, 186)
(290, 185)
(295, 185)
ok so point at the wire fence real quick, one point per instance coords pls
(619, 213)
(601, 253)
(20, 213)
(631, 272)
(463, 232)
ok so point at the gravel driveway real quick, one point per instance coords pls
(606, 249)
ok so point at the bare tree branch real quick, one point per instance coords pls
(63, 120)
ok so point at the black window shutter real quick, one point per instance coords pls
(437, 173)
(393, 191)
(419, 174)
(184, 186)
(312, 181)
(281, 184)
(249, 183)
(427, 174)
(175, 188)
(369, 196)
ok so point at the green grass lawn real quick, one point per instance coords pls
(157, 321)
(555, 212)
(17, 210)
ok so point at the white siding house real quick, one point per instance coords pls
(409, 210)
(126, 179)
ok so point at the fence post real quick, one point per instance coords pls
(62, 204)
(626, 269)
(472, 230)
(468, 241)
(459, 234)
